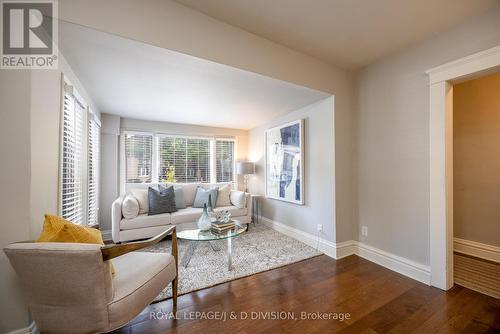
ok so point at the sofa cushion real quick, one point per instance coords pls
(180, 203)
(203, 195)
(130, 207)
(142, 277)
(190, 214)
(142, 197)
(239, 199)
(161, 200)
(189, 191)
(223, 197)
(218, 184)
(143, 220)
(187, 215)
(235, 211)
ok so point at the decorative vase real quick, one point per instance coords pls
(210, 209)
(204, 222)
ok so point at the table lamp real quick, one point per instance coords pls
(245, 168)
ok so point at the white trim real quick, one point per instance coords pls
(155, 159)
(477, 249)
(441, 157)
(106, 235)
(346, 248)
(213, 160)
(122, 167)
(340, 250)
(322, 245)
(477, 62)
(31, 329)
(404, 266)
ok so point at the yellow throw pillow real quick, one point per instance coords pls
(57, 229)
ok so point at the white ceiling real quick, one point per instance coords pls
(137, 80)
(347, 33)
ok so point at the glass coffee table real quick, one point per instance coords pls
(190, 232)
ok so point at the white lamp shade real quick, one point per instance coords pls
(245, 168)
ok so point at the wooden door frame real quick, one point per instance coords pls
(441, 80)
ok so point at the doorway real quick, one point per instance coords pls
(476, 184)
(441, 80)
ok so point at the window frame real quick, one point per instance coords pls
(123, 156)
(156, 159)
(87, 115)
(214, 158)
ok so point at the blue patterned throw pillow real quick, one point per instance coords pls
(202, 197)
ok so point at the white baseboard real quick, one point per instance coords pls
(322, 245)
(106, 235)
(391, 261)
(404, 266)
(477, 249)
(31, 329)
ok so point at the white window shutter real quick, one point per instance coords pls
(138, 158)
(224, 160)
(94, 142)
(71, 175)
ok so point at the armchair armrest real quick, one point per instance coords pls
(112, 251)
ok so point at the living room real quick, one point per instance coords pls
(240, 178)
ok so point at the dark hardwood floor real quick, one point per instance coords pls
(378, 301)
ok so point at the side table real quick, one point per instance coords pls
(256, 207)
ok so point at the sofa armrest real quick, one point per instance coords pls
(116, 217)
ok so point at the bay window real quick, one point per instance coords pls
(153, 158)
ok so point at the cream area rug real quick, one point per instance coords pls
(254, 251)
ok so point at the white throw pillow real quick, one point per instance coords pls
(224, 196)
(130, 207)
(238, 199)
(142, 197)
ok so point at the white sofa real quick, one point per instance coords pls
(144, 226)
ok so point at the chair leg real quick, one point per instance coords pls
(175, 283)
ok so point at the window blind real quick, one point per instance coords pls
(71, 180)
(139, 158)
(224, 160)
(183, 159)
(93, 171)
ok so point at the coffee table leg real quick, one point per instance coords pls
(214, 246)
(229, 255)
(187, 257)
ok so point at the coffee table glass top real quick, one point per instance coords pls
(190, 231)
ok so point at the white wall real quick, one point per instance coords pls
(14, 181)
(110, 159)
(393, 137)
(319, 171)
(169, 25)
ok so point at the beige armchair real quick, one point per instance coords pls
(69, 287)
